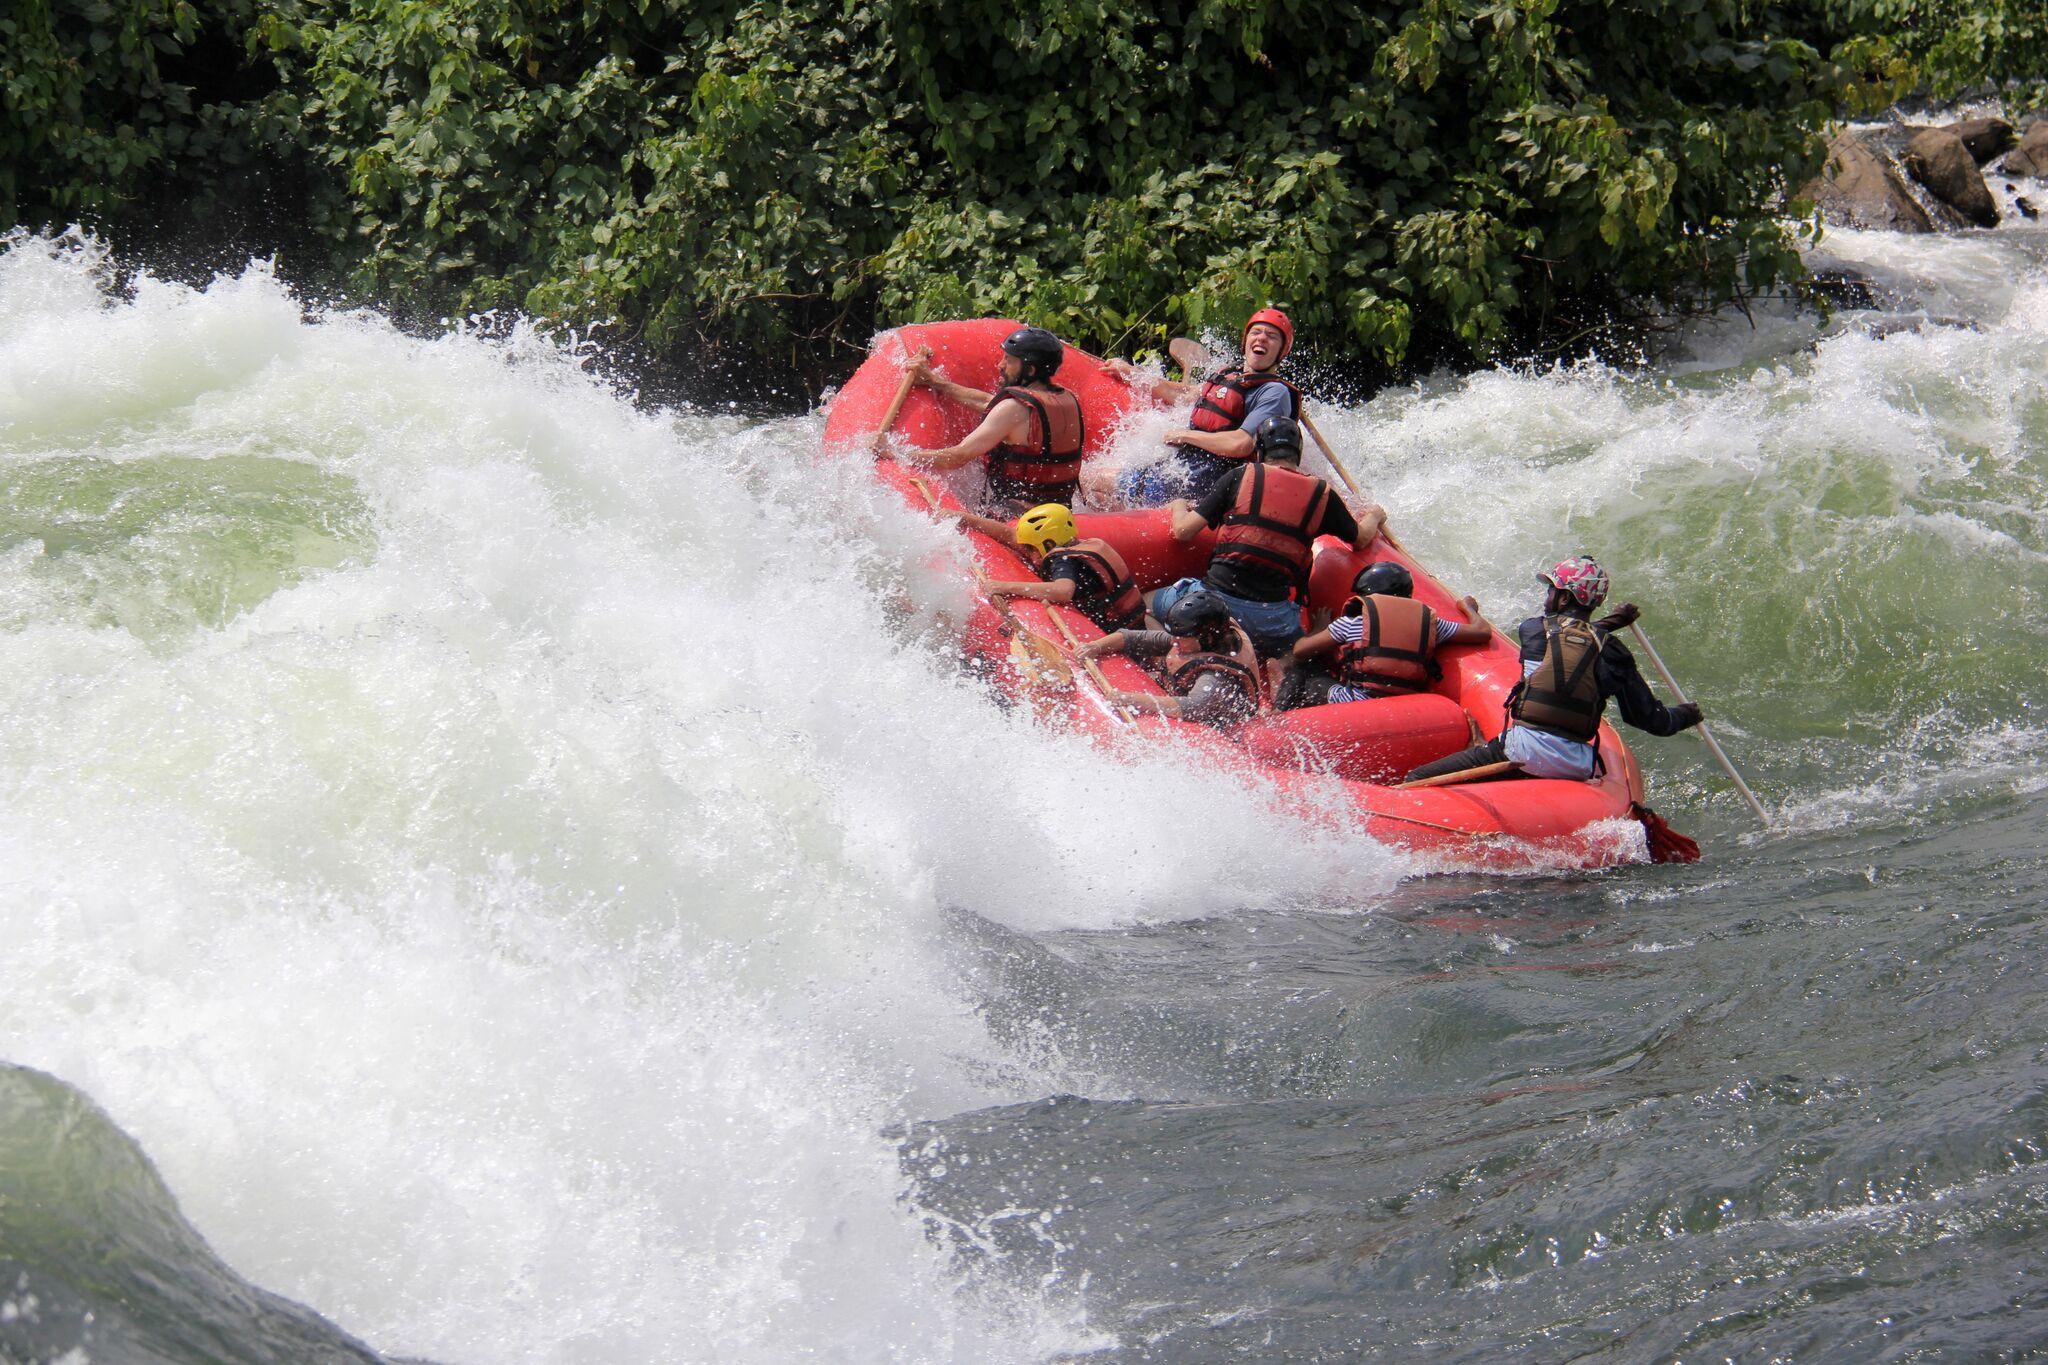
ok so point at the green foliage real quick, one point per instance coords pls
(1413, 180)
(1953, 46)
(96, 102)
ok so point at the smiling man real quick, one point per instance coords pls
(1228, 409)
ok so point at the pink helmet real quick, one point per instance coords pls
(1580, 577)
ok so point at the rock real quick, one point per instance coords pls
(1939, 160)
(2026, 207)
(1844, 287)
(1983, 138)
(2031, 156)
(1859, 188)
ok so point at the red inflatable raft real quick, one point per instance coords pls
(1329, 762)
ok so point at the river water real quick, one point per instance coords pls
(519, 876)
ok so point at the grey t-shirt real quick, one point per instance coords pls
(1267, 400)
(1211, 701)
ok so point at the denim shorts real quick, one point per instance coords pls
(1273, 626)
(1184, 474)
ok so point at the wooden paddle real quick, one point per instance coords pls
(895, 410)
(1094, 669)
(1480, 773)
(1038, 659)
(1191, 355)
(1713, 745)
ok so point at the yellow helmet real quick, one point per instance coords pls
(1045, 527)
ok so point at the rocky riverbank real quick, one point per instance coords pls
(1938, 177)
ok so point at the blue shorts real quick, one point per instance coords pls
(1184, 474)
(1273, 626)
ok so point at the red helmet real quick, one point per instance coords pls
(1584, 580)
(1273, 317)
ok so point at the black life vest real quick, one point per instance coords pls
(1046, 467)
(1563, 694)
(1272, 525)
(1396, 649)
(1118, 605)
(1222, 403)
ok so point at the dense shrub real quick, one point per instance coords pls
(102, 99)
(1441, 177)
(1953, 47)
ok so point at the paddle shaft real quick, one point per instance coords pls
(1484, 770)
(1002, 609)
(1094, 669)
(1713, 745)
(903, 395)
(1345, 474)
(1331, 456)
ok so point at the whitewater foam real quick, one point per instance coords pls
(512, 925)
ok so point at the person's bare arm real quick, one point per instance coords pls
(1145, 701)
(922, 373)
(1477, 631)
(1372, 519)
(988, 526)
(1003, 424)
(1231, 445)
(1308, 646)
(1060, 591)
(1186, 523)
(1167, 391)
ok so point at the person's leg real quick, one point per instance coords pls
(1478, 756)
(1304, 685)
(1202, 471)
(1273, 626)
(1152, 485)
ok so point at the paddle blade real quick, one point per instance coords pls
(1040, 665)
(1190, 355)
(1667, 845)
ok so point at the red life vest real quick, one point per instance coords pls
(1396, 649)
(1272, 525)
(1047, 466)
(1240, 670)
(1222, 402)
(1120, 605)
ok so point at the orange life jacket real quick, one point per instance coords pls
(1221, 404)
(1563, 694)
(1396, 649)
(1240, 669)
(1120, 605)
(1046, 467)
(1272, 525)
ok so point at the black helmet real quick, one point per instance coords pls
(1385, 579)
(1038, 349)
(1201, 613)
(1279, 436)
